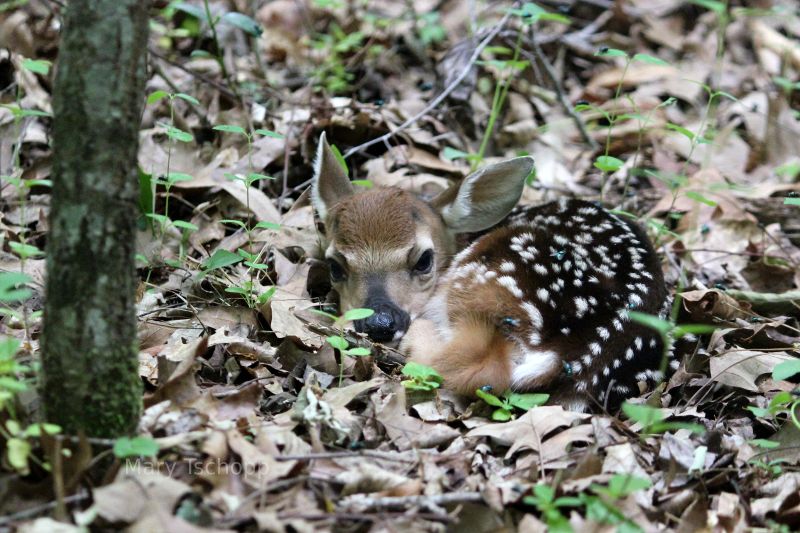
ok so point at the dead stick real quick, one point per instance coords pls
(765, 302)
(402, 502)
(444, 94)
(562, 98)
(382, 353)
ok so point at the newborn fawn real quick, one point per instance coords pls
(540, 302)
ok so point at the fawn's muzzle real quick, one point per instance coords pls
(387, 321)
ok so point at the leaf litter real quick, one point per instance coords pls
(262, 425)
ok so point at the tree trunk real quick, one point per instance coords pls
(89, 352)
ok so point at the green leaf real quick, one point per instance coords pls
(243, 22)
(221, 258)
(502, 415)
(610, 52)
(765, 443)
(185, 225)
(652, 60)
(156, 96)
(621, 485)
(714, 5)
(367, 184)
(175, 177)
(135, 447)
(230, 128)
(234, 222)
(17, 452)
(188, 98)
(267, 225)
(489, 398)
(38, 66)
(35, 430)
(25, 250)
(786, 369)
(789, 170)
(267, 295)
(178, 134)
(340, 158)
(357, 352)
(190, 9)
(651, 321)
(255, 176)
(12, 287)
(340, 343)
(13, 384)
(682, 330)
(680, 129)
(269, 133)
(607, 163)
(791, 201)
(643, 414)
(527, 401)
(9, 346)
(700, 198)
(422, 372)
(451, 154)
(357, 314)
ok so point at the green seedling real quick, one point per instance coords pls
(338, 342)
(545, 501)
(509, 401)
(125, 447)
(652, 420)
(421, 377)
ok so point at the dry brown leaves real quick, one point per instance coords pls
(244, 399)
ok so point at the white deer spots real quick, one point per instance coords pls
(540, 269)
(542, 294)
(581, 306)
(511, 284)
(595, 348)
(507, 267)
(534, 315)
(604, 333)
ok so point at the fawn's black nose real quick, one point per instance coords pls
(385, 323)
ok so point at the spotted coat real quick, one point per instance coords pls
(556, 284)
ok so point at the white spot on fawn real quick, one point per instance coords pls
(511, 284)
(507, 266)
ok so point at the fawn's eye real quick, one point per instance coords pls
(336, 271)
(424, 263)
(509, 323)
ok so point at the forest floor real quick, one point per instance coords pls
(685, 114)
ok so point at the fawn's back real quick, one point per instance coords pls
(542, 303)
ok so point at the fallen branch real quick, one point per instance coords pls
(444, 94)
(383, 354)
(767, 302)
(364, 503)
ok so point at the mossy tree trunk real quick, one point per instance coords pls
(89, 352)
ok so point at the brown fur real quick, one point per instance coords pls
(477, 355)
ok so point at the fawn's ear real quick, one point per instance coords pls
(330, 184)
(485, 197)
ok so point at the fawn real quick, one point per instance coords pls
(538, 303)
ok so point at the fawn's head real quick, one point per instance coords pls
(386, 248)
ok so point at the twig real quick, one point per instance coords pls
(562, 98)
(339, 455)
(40, 509)
(217, 85)
(766, 302)
(382, 353)
(403, 502)
(444, 94)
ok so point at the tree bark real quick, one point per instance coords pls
(89, 354)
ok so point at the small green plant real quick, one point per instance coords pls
(125, 447)
(599, 504)
(332, 73)
(338, 342)
(652, 420)
(421, 377)
(509, 401)
(545, 501)
(15, 379)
